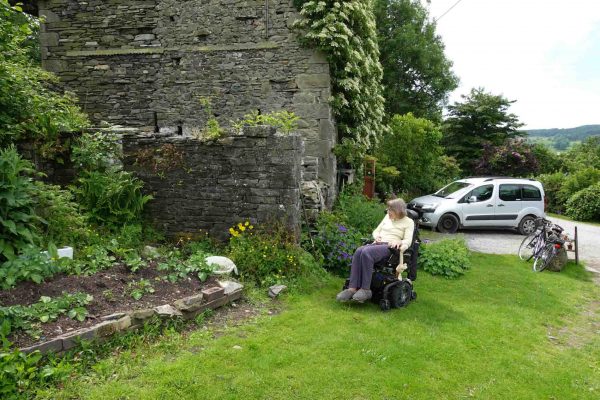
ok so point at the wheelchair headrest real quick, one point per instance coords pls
(412, 214)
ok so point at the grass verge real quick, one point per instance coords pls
(499, 332)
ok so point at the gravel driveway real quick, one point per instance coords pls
(507, 242)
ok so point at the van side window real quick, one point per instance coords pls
(482, 193)
(510, 192)
(531, 193)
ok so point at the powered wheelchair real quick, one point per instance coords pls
(388, 291)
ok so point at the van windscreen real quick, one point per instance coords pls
(451, 188)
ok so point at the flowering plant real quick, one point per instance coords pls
(335, 242)
(268, 255)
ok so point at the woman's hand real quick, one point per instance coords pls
(395, 245)
(378, 239)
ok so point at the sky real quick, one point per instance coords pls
(545, 54)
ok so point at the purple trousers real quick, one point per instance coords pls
(362, 264)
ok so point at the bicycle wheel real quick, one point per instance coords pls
(544, 258)
(527, 246)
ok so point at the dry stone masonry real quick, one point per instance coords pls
(146, 64)
(211, 186)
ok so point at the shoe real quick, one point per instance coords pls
(362, 295)
(345, 295)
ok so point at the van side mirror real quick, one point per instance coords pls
(472, 199)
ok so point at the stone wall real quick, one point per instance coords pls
(211, 186)
(146, 63)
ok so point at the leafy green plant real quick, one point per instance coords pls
(585, 204)
(212, 130)
(17, 213)
(29, 108)
(88, 260)
(30, 265)
(345, 31)
(335, 243)
(269, 255)
(96, 151)
(284, 121)
(449, 258)
(28, 318)
(138, 289)
(19, 372)
(178, 269)
(413, 147)
(114, 198)
(361, 214)
(63, 222)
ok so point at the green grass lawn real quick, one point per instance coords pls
(500, 332)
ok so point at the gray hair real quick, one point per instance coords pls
(398, 206)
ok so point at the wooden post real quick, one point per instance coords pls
(576, 248)
(369, 188)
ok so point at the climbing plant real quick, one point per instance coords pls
(345, 31)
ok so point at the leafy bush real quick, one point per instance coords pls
(414, 148)
(28, 107)
(269, 255)
(113, 197)
(514, 157)
(360, 213)
(577, 181)
(449, 258)
(335, 243)
(63, 223)
(96, 151)
(17, 214)
(585, 204)
(553, 184)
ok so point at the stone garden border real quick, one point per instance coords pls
(188, 308)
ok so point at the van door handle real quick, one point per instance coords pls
(490, 205)
(500, 205)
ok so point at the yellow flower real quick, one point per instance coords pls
(240, 225)
(242, 228)
(250, 227)
(247, 223)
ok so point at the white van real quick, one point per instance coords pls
(484, 202)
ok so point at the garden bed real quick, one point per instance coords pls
(111, 294)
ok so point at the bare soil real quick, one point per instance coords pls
(111, 295)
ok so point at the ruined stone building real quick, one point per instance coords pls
(145, 64)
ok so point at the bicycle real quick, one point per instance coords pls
(534, 242)
(542, 245)
(550, 250)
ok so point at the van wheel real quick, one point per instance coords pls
(448, 223)
(527, 225)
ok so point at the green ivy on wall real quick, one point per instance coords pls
(345, 31)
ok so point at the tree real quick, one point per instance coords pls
(28, 107)
(481, 119)
(413, 150)
(417, 76)
(515, 157)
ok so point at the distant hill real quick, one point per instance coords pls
(561, 139)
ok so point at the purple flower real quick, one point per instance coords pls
(342, 228)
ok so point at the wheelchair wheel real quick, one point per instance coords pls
(385, 305)
(400, 294)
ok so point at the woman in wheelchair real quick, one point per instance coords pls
(395, 231)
